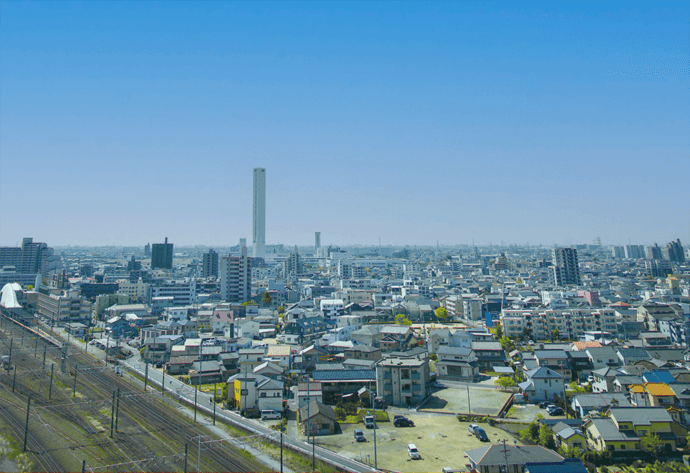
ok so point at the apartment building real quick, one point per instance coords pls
(402, 381)
(236, 278)
(571, 323)
(181, 292)
(68, 307)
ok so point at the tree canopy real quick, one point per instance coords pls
(442, 313)
(401, 319)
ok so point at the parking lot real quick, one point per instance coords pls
(528, 412)
(440, 439)
(482, 400)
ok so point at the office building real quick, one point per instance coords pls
(177, 292)
(317, 241)
(658, 268)
(133, 265)
(210, 264)
(566, 269)
(162, 255)
(259, 220)
(147, 250)
(243, 243)
(236, 278)
(30, 258)
(292, 266)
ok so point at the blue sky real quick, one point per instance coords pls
(544, 122)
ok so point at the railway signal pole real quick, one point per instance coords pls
(74, 390)
(50, 389)
(117, 409)
(26, 427)
(112, 416)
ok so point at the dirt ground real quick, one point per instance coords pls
(440, 439)
(454, 399)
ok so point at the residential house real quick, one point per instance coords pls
(396, 337)
(489, 354)
(317, 418)
(251, 357)
(543, 384)
(362, 352)
(457, 363)
(628, 356)
(568, 465)
(603, 379)
(557, 360)
(569, 436)
(255, 391)
(308, 392)
(205, 372)
(602, 357)
(506, 458)
(583, 403)
(340, 382)
(367, 335)
(269, 369)
(304, 330)
(652, 395)
(580, 365)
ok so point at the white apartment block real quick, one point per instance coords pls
(139, 290)
(356, 284)
(182, 292)
(472, 309)
(571, 323)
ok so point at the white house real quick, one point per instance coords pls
(543, 384)
(332, 307)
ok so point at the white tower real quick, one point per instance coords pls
(317, 241)
(259, 235)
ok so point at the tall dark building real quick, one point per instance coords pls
(566, 269)
(133, 265)
(30, 258)
(162, 255)
(147, 250)
(674, 252)
(210, 264)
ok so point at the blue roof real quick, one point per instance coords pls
(659, 376)
(343, 375)
(569, 465)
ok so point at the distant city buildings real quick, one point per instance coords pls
(162, 255)
(30, 258)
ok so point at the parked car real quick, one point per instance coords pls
(359, 435)
(413, 452)
(438, 384)
(481, 434)
(544, 404)
(270, 414)
(556, 412)
(402, 421)
(369, 422)
(473, 428)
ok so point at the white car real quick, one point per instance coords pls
(413, 452)
(472, 428)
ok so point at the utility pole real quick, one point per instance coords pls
(146, 376)
(83, 466)
(469, 408)
(9, 363)
(74, 391)
(36, 348)
(198, 457)
(214, 412)
(163, 383)
(281, 445)
(117, 409)
(50, 389)
(26, 427)
(195, 392)
(14, 380)
(112, 416)
(107, 347)
(45, 348)
(185, 458)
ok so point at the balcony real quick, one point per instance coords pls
(416, 387)
(416, 376)
(387, 375)
(387, 386)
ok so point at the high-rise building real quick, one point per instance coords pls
(243, 243)
(259, 221)
(147, 250)
(619, 252)
(293, 264)
(634, 251)
(317, 241)
(236, 278)
(133, 265)
(674, 252)
(162, 255)
(652, 252)
(565, 269)
(30, 258)
(658, 268)
(210, 264)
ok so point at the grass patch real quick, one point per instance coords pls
(381, 416)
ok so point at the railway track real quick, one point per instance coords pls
(150, 436)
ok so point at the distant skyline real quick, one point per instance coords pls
(122, 123)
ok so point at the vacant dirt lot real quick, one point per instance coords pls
(454, 399)
(441, 440)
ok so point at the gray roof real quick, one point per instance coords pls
(601, 399)
(640, 415)
(543, 373)
(486, 345)
(458, 351)
(551, 354)
(515, 454)
(314, 408)
(608, 430)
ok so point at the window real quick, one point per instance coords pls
(623, 446)
(262, 395)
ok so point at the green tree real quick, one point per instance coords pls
(507, 344)
(499, 331)
(531, 432)
(652, 444)
(266, 299)
(546, 437)
(442, 313)
(401, 319)
(555, 335)
(249, 302)
(505, 382)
